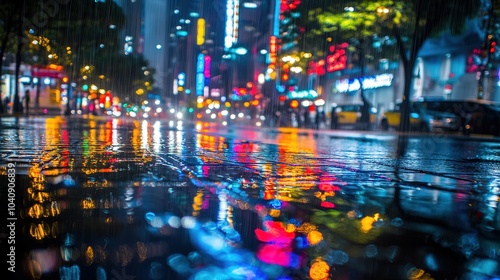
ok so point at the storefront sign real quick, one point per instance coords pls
(369, 82)
(302, 94)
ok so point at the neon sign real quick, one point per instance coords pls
(302, 94)
(200, 37)
(200, 78)
(350, 85)
(232, 19)
(206, 70)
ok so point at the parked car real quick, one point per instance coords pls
(475, 116)
(421, 119)
(349, 116)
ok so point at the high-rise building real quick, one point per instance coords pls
(145, 32)
(167, 33)
(132, 35)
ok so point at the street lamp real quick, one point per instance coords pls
(240, 51)
(382, 11)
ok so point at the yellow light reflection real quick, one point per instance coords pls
(39, 231)
(89, 255)
(417, 273)
(274, 213)
(197, 202)
(144, 135)
(123, 255)
(320, 270)
(314, 237)
(35, 211)
(290, 228)
(367, 223)
(142, 251)
(88, 203)
(306, 228)
(100, 254)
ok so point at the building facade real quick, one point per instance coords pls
(447, 67)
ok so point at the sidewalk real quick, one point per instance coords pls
(370, 135)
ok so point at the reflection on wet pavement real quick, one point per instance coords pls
(123, 199)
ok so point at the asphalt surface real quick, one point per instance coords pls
(104, 198)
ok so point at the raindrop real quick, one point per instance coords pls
(233, 235)
(69, 240)
(174, 222)
(101, 273)
(69, 273)
(210, 226)
(272, 271)
(391, 253)
(371, 251)
(397, 222)
(195, 258)
(378, 223)
(156, 271)
(337, 257)
(468, 243)
(208, 273)
(149, 216)
(188, 222)
(157, 222)
(179, 263)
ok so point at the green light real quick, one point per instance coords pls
(85, 87)
(191, 110)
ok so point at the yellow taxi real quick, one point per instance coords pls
(421, 119)
(392, 118)
(349, 116)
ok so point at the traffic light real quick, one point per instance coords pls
(493, 45)
(284, 77)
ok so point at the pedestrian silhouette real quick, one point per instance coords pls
(6, 102)
(318, 118)
(365, 112)
(307, 118)
(333, 118)
(27, 101)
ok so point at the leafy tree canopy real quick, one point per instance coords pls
(410, 23)
(82, 36)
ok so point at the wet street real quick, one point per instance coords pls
(131, 199)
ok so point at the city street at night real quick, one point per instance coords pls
(121, 198)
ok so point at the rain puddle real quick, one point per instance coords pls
(110, 199)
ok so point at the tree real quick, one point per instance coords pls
(7, 17)
(84, 33)
(11, 15)
(89, 48)
(75, 35)
(410, 23)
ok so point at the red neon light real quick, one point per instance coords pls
(337, 60)
(206, 69)
(272, 49)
